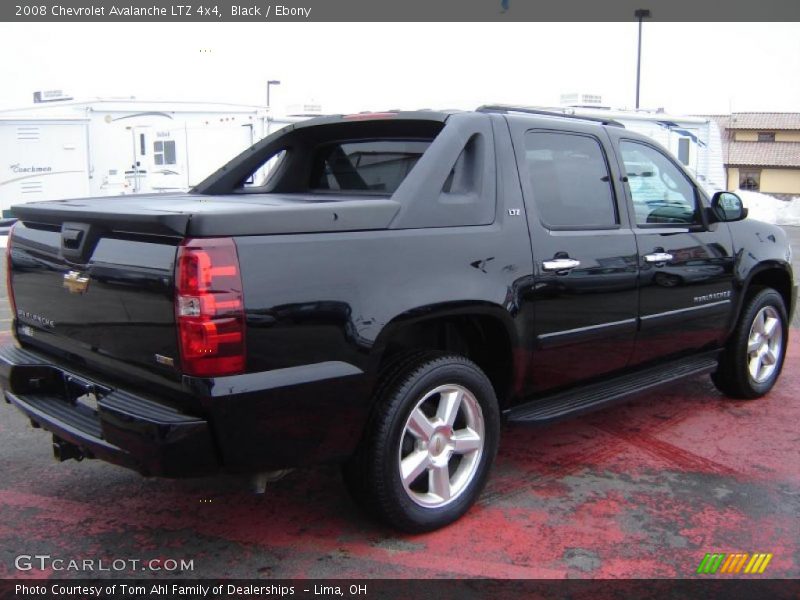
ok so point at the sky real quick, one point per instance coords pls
(687, 68)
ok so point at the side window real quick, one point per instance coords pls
(684, 145)
(570, 181)
(164, 152)
(661, 193)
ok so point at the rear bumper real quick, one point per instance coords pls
(123, 428)
(253, 422)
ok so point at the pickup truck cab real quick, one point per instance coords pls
(382, 290)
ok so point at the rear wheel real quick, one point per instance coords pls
(753, 359)
(428, 450)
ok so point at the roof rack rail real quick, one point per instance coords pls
(504, 108)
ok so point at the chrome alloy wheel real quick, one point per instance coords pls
(441, 446)
(764, 344)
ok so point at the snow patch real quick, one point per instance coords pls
(763, 207)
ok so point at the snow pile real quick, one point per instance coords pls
(763, 207)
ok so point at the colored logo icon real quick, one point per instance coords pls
(731, 564)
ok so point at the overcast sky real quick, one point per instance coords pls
(686, 68)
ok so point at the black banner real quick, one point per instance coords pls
(467, 589)
(190, 11)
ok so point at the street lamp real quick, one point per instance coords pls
(269, 83)
(641, 13)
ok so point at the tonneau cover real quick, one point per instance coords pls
(198, 215)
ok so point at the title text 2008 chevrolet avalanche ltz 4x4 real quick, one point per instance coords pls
(382, 290)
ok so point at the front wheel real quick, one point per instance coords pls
(428, 450)
(752, 361)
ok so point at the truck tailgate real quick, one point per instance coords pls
(111, 302)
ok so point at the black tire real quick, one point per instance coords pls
(373, 475)
(353, 470)
(733, 376)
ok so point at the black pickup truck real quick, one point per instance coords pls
(382, 290)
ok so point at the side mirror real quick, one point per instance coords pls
(727, 206)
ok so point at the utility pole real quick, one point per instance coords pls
(641, 13)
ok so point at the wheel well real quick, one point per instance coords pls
(480, 338)
(776, 279)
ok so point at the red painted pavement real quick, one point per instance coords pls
(642, 490)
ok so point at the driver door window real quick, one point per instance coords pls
(661, 193)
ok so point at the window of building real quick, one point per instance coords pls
(570, 180)
(750, 179)
(661, 192)
(766, 136)
(164, 152)
(683, 150)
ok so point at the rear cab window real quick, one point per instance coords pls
(378, 165)
(349, 158)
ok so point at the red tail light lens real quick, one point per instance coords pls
(10, 290)
(209, 308)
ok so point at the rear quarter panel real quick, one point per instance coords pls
(321, 298)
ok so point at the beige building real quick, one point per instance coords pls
(761, 152)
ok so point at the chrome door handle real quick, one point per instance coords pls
(560, 264)
(658, 257)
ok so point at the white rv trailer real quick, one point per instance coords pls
(695, 141)
(42, 158)
(107, 147)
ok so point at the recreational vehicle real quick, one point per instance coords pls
(107, 147)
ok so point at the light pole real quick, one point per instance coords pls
(641, 13)
(270, 83)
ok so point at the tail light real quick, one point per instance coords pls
(209, 308)
(11, 300)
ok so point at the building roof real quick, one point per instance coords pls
(758, 154)
(763, 154)
(768, 121)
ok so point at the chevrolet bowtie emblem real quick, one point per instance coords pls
(75, 282)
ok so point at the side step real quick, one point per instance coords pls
(592, 397)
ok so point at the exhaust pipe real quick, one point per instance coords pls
(63, 450)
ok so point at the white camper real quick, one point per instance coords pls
(107, 147)
(42, 158)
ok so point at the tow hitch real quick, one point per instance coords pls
(63, 450)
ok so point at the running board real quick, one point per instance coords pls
(599, 395)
